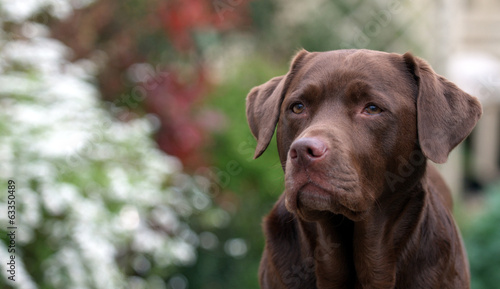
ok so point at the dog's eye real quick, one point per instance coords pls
(298, 108)
(372, 109)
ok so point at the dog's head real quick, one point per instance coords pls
(355, 126)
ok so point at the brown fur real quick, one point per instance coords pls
(361, 206)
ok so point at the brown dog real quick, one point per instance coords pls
(361, 206)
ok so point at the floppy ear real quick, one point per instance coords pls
(263, 105)
(445, 114)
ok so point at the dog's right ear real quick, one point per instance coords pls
(264, 103)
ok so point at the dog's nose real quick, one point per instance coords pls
(307, 150)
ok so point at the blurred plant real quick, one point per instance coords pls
(98, 205)
(482, 239)
(244, 187)
(125, 37)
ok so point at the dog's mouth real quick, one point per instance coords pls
(314, 196)
(312, 200)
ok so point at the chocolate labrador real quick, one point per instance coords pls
(362, 208)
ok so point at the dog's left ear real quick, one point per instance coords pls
(445, 114)
(264, 103)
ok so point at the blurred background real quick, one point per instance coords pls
(122, 125)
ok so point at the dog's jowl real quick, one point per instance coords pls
(362, 206)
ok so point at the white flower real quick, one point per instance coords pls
(88, 188)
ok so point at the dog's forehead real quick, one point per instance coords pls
(345, 64)
(337, 70)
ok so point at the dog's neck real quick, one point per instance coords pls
(364, 252)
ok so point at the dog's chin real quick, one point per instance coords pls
(312, 203)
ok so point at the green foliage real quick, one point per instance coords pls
(245, 187)
(282, 27)
(237, 142)
(482, 240)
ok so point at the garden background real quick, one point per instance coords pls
(123, 131)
